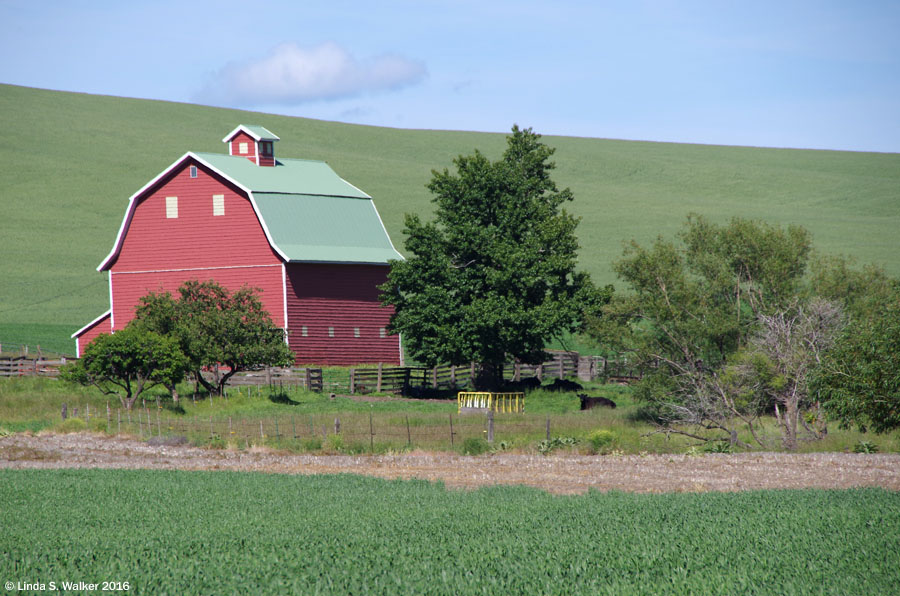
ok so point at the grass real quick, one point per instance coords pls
(69, 162)
(299, 421)
(223, 533)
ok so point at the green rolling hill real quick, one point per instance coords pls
(69, 162)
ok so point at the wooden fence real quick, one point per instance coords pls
(563, 365)
(387, 379)
(21, 367)
(305, 378)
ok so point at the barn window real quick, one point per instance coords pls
(356, 332)
(382, 333)
(218, 204)
(242, 148)
(331, 332)
(193, 171)
(171, 207)
(266, 147)
(304, 332)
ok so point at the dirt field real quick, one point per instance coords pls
(563, 474)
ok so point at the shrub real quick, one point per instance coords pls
(717, 447)
(334, 443)
(865, 447)
(475, 446)
(313, 444)
(546, 446)
(602, 441)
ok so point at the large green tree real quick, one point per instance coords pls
(694, 319)
(493, 276)
(128, 362)
(859, 379)
(216, 327)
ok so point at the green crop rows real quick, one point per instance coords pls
(230, 533)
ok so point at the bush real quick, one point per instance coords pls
(334, 443)
(865, 447)
(313, 444)
(475, 446)
(602, 441)
(545, 446)
(717, 447)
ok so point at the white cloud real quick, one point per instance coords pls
(291, 75)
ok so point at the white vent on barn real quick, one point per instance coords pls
(171, 207)
(218, 204)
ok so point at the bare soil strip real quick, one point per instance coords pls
(560, 474)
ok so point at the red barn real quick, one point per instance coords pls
(311, 241)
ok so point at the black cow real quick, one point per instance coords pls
(564, 385)
(589, 402)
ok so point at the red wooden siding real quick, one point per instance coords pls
(159, 253)
(195, 238)
(344, 297)
(243, 137)
(89, 334)
(129, 287)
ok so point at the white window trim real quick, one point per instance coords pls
(243, 148)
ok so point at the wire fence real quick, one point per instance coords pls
(347, 432)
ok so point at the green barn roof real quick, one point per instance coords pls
(309, 212)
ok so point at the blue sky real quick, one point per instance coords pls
(780, 74)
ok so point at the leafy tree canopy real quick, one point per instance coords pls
(128, 362)
(859, 379)
(216, 327)
(694, 316)
(493, 275)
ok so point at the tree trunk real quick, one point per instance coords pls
(789, 425)
(212, 389)
(174, 393)
(489, 376)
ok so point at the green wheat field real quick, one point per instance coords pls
(167, 532)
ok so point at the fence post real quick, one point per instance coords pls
(490, 429)
(408, 434)
(371, 435)
(308, 379)
(548, 428)
(562, 372)
(378, 382)
(517, 372)
(352, 381)
(434, 378)
(453, 375)
(337, 426)
(451, 430)
(65, 411)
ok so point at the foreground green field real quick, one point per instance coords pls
(229, 533)
(69, 162)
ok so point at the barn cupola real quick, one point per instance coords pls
(256, 143)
